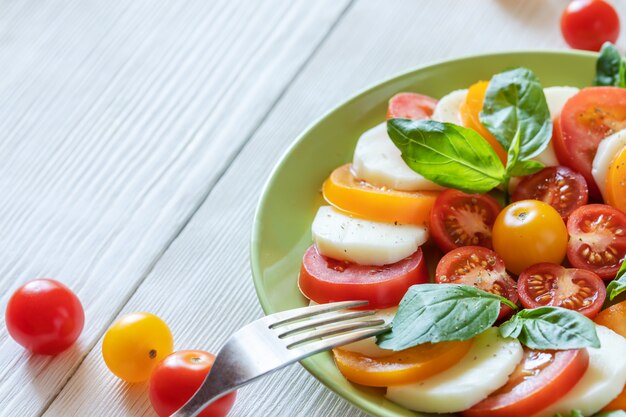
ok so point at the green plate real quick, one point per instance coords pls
(292, 194)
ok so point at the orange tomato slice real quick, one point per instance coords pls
(403, 367)
(616, 181)
(345, 192)
(470, 111)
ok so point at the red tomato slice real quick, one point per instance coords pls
(597, 239)
(587, 118)
(411, 106)
(481, 268)
(548, 284)
(458, 219)
(541, 379)
(326, 280)
(561, 187)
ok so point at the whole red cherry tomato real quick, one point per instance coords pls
(587, 24)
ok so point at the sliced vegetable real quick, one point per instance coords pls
(553, 285)
(616, 181)
(481, 268)
(411, 106)
(326, 280)
(597, 239)
(614, 317)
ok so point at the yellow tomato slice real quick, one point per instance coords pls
(614, 318)
(345, 192)
(403, 367)
(470, 111)
(616, 181)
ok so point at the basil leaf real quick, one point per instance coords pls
(551, 328)
(610, 67)
(516, 113)
(431, 313)
(449, 155)
(618, 285)
(526, 168)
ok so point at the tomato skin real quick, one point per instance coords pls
(561, 187)
(44, 316)
(553, 285)
(597, 239)
(528, 232)
(532, 388)
(326, 280)
(411, 106)
(135, 344)
(587, 118)
(177, 377)
(479, 267)
(459, 219)
(587, 24)
(345, 192)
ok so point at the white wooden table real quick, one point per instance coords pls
(135, 137)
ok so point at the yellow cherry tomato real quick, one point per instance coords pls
(470, 116)
(528, 232)
(616, 181)
(403, 367)
(345, 192)
(135, 344)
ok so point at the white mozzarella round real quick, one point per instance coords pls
(379, 162)
(556, 97)
(607, 150)
(602, 382)
(368, 347)
(448, 108)
(364, 242)
(485, 368)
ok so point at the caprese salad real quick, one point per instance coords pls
(516, 196)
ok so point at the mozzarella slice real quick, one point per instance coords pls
(484, 369)
(556, 97)
(602, 382)
(379, 162)
(364, 242)
(448, 108)
(607, 150)
(368, 347)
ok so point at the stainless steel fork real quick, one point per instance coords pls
(279, 340)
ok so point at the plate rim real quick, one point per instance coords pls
(255, 266)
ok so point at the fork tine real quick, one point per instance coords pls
(284, 317)
(336, 341)
(331, 331)
(337, 317)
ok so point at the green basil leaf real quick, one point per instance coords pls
(526, 168)
(431, 313)
(449, 155)
(553, 328)
(516, 113)
(618, 285)
(610, 67)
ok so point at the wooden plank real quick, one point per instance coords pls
(202, 285)
(117, 119)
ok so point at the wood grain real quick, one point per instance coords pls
(117, 118)
(202, 286)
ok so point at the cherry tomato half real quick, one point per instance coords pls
(411, 106)
(345, 192)
(528, 232)
(326, 280)
(541, 379)
(459, 219)
(135, 344)
(587, 118)
(587, 24)
(561, 187)
(44, 316)
(553, 285)
(597, 239)
(403, 367)
(478, 267)
(178, 377)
